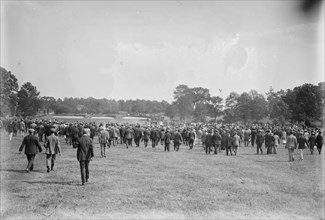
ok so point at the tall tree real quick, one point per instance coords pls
(8, 92)
(231, 103)
(305, 102)
(28, 100)
(278, 109)
(215, 106)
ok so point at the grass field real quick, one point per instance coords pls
(147, 183)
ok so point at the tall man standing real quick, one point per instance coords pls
(52, 147)
(85, 153)
(291, 145)
(103, 140)
(32, 146)
(259, 141)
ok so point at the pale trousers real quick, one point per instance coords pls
(291, 154)
(301, 151)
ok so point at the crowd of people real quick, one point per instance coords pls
(212, 137)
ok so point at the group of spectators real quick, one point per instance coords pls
(212, 137)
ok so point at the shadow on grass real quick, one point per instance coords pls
(12, 170)
(69, 183)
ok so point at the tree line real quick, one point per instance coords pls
(303, 103)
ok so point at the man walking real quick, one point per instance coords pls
(208, 142)
(167, 137)
(85, 153)
(52, 147)
(259, 141)
(291, 145)
(177, 140)
(32, 147)
(103, 140)
(319, 142)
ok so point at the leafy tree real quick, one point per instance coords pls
(231, 103)
(171, 110)
(8, 91)
(183, 100)
(215, 106)
(278, 109)
(28, 100)
(258, 106)
(305, 102)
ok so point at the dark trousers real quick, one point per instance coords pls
(259, 148)
(167, 147)
(153, 141)
(207, 149)
(252, 140)
(128, 142)
(216, 148)
(176, 146)
(137, 142)
(319, 148)
(190, 143)
(50, 159)
(145, 142)
(84, 170)
(228, 149)
(30, 159)
(269, 149)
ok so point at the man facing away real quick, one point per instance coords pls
(103, 140)
(52, 147)
(32, 147)
(85, 153)
(291, 145)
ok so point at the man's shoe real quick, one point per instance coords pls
(48, 169)
(27, 170)
(82, 183)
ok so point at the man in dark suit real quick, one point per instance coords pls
(85, 153)
(137, 135)
(167, 138)
(32, 146)
(208, 142)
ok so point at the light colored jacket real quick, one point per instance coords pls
(291, 142)
(52, 145)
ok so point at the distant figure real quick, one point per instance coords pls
(191, 136)
(85, 153)
(259, 141)
(276, 143)
(167, 138)
(247, 136)
(312, 142)
(32, 147)
(216, 141)
(291, 145)
(319, 142)
(208, 142)
(177, 140)
(302, 142)
(236, 142)
(52, 147)
(146, 136)
(228, 144)
(103, 140)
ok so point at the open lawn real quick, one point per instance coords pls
(147, 183)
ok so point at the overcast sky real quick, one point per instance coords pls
(144, 49)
